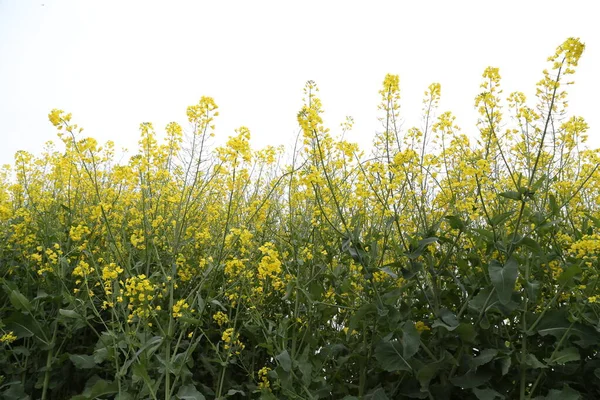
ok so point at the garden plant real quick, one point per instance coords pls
(439, 264)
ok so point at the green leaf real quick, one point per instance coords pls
(505, 363)
(19, 301)
(511, 194)
(377, 394)
(466, 332)
(471, 379)
(553, 205)
(428, 371)
(484, 357)
(455, 222)
(411, 340)
(500, 218)
(421, 246)
(487, 394)
(389, 355)
(388, 271)
(97, 387)
(189, 392)
(448, 320)
(569, 273)
(70, 314)
(284, 360)
(555, 323)
(564, 356)
(503, 278)
(24, 325)
(532, 290)
(532, 362)
(82, 361)
(565, 394)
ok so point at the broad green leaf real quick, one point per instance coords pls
(555, 323)
(511, 194)
(487, 394)
(97, 387)
(389, 355)
(569, 273)
(455, 222)
(70, 314)
(82, 361)
(532, 362)
(554, 205)
(484, 357)
(532, 290)
(567, 393)
(19, 301)
(428, 371)
(503, 278)
(466, 332)
(388, 271)
(284, 360)
(377, 394)
(421, 246)
(500, 218)
(564, 356)
(24, 325)
(505, 363)
(471, 379)
(411, 340)
(189, 392)
(447, 320)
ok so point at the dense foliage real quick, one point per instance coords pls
(443, 265)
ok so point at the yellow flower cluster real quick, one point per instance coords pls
(270, 266)
(421, 327)
(139, 292)
(587, 248)
(110, 273)
(231, 340)
(263, 379)
(179, 308)
(8, 338)
(78, 232)
(220, 318)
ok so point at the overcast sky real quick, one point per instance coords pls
(115, 64)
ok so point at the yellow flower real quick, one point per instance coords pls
(179, 307)
(8, 338)
(220, 318)
(421, 327)
(263, 379)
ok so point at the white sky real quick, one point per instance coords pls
(115, 64)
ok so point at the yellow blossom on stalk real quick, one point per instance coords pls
(78, 232)
(593, 299)
(263, 379)
(220, 318)
(140, 293)
(587, 248)
(230, 338)
(270, 265)
(179, 307)
(83, 269)
(421, 327)
(380, 276)
(8, 338)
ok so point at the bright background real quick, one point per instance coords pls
(115, 64)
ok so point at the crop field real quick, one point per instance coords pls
(441, 264)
